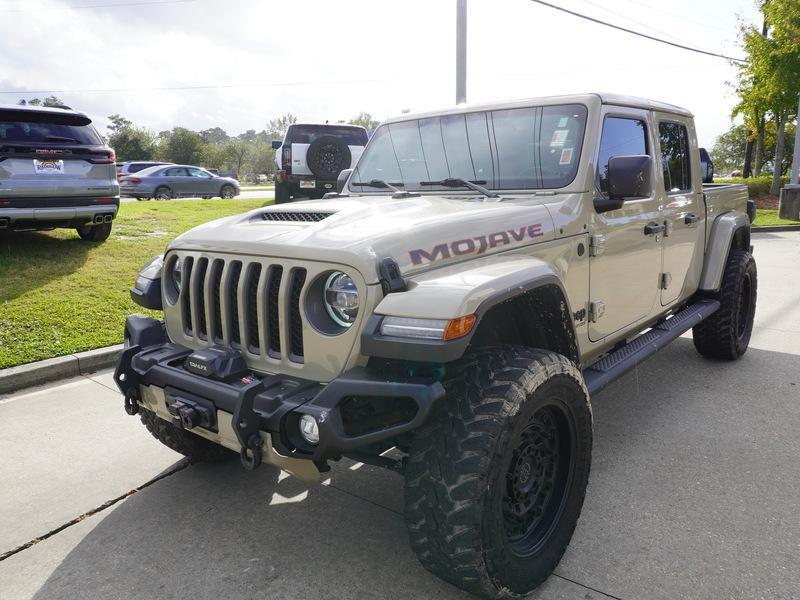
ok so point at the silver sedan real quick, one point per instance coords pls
(177, 181)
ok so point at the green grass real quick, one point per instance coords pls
(766, 217)
(756, 186)
(60, 295)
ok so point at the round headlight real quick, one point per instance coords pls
(341, 298)
(177, 275)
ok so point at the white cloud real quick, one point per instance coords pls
(396, 54)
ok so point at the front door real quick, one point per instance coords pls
(625, 261)
(684, 211)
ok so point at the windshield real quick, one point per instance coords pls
(515, 149)
(306, 134)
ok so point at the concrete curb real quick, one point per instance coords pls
(62, 367)
(768, 228)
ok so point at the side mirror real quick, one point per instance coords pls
(341, 180)
(276, 144)
(629, 177)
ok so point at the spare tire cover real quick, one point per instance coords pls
(327, 156)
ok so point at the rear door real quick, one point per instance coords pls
(625, 261)
(683, 210)
(179, 181)
(49, 154)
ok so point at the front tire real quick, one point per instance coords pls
(94, 233)
(187, 443)
(227, 192)
(496, 479)
(726, 334)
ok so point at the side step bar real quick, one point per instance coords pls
(617, 363)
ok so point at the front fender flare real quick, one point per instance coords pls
(453, 292)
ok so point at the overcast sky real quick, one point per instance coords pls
(328, 60)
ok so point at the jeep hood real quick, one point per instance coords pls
(418, 232)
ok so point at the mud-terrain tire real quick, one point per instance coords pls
(187, 443)
(282, 195)
(94, 233)
(327, 156)
(726, 334)
(513, 434)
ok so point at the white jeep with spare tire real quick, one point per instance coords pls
(311, 156)
(480, 274)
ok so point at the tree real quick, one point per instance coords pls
(118, 122)
(215, 135)
(728, 151)
(53, 101)
(181, 145)
(770, 79)
(262, 159)
(133, 143)
(212, 157)
(236, 153)
(276, 128)
(366, 121)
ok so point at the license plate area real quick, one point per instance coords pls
(189, 411)
(308, 183)
(48, 167)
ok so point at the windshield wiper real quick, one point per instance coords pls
(60, 138)
(381, 184)
(454, 182)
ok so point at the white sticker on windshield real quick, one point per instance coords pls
(562, 122)
(559, 137)
(566, 156)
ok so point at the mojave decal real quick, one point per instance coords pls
(475, 245)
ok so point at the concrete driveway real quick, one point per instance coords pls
(693, 494)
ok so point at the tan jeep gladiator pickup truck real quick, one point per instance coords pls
(482, 272)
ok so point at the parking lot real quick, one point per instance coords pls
(693, 492)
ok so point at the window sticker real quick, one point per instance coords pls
(566, 156)
(562, 122)
(559, 137)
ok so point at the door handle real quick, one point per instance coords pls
(652, 228)
(691, 219)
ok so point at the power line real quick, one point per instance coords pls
(118, 5)
(639, 33)
(627, 18)
(301, 83)
(676, 16)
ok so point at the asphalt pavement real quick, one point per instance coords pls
(693, 493)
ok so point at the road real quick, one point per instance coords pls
(693, 493)
(244, 195)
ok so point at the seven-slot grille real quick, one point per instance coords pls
(238, 303)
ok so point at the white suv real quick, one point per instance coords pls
(310, 158)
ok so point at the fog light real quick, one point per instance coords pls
(309, 429)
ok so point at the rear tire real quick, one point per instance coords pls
(187, 443)
(726, 334)
(163, 193)
(496, 479)
(282, 195)
(94, 233)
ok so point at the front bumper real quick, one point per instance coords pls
(266, 406)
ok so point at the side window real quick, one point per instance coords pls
(198, 173)
(674, 141)
(178, 172)
(621, 137)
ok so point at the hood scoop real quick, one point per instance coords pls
(285, 215)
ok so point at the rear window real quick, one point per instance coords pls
(306, 134)
(27, 126)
